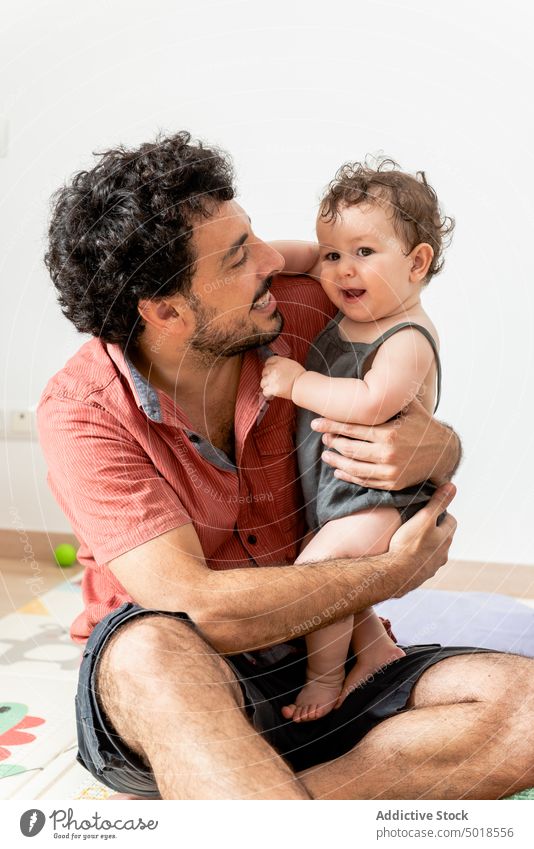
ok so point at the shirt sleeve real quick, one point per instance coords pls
(106, 485)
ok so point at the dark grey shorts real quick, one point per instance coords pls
(266, 689)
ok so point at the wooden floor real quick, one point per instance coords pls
(469, 576)
(21, 581)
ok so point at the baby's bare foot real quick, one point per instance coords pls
(316, 699)
(367, 665)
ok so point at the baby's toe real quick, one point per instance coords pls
(288, 711)
(297, 715)
(310, 713)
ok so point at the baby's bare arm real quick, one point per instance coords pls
(398, 372)
(300, 257)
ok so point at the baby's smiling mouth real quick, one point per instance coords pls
(353, 294)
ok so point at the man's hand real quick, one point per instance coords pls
(405, 451)
(421, 546)
(279, 375)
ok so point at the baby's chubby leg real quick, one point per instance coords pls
(374, 650)
(325, 672)
(365, 533)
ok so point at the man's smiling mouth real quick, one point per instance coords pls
(266, 302)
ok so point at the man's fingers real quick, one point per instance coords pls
(440, 501)
(338, 461)
(448, 526)
(356, 449)
(429, 514)
(371, 482)
(364, 474)
(353, 431)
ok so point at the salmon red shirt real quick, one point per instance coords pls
(125, 465)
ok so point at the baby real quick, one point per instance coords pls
(381, 235)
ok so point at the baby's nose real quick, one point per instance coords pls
(347, 268)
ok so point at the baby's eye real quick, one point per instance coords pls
(364, 252)
(332, 256)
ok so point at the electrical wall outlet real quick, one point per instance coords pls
(18, 424)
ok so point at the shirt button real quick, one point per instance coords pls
(252, 539)
(193, 437)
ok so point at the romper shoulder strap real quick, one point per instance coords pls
(391, 332)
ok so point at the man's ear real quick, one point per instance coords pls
(160, 314)
(421, 257)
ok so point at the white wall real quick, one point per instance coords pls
(293, 89)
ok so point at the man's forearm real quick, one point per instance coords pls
(245, 609)
(248, 608)
(268, 605)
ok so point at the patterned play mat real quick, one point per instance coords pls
(39, 667)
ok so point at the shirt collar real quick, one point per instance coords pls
(147, 396)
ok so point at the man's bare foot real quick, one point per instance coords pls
(369, 662)
(317, 698)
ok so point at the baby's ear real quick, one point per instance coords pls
(421, 258)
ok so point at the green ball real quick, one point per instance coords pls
(65, 555)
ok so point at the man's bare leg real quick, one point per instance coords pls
(469, 735)
(176, 703)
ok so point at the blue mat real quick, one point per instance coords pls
(487, 620)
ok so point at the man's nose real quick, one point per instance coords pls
(271, 259)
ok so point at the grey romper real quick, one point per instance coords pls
(325, 496)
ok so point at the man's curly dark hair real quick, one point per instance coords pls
(121, 231)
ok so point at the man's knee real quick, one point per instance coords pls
(152, 651)
(490, 677)
(147, 640)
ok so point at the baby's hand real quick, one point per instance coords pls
(279, 375)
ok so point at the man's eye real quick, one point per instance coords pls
(364, 251)
(243, 259)
(333, 256)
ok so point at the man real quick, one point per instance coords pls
(180, 481)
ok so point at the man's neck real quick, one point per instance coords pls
(184, 375)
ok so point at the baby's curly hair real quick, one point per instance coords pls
(416, 213)
(121, 231)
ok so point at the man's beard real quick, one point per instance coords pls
(212, 342)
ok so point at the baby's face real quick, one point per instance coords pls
(364, 268)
